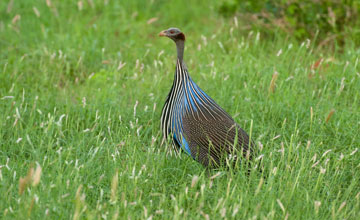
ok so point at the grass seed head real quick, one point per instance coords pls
(341, 206)
(24, 182)
(114, 185)
(194, 181)
(281, 205)
(273, 81)
(317, 205)
(37, 176)
(329, 115)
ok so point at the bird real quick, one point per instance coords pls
(195, 123)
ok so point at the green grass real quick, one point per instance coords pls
(68, 108)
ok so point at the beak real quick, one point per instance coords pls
(162, 34)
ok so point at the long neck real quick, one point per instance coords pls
(180, 49)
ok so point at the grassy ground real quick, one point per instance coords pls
(81, 90)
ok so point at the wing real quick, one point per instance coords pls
(212, 135)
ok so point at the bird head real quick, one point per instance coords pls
(173, 33)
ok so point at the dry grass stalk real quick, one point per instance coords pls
(116, 214)
(281, 205)
(317, 64)
(114, 185)
(24, 182)
(341, 206)
(10, 6)
(152, 20)
(36, 176)
(216, 175)
(259, 186)
(317, 205)
(308, 144)
(77, 203)
(194, 181)
(36, 11)
(121, 65)
(16, 19)
(48, 3)
(273, 81)
(80, 5)
(31, 207)
(329, 115)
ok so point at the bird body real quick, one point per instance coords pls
(195, 122)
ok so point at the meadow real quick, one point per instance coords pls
(82, 84)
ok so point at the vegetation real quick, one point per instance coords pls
(328, 21)
(82, 84)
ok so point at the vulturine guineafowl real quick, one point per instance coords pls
(195, 123)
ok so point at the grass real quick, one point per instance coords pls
(81, 90)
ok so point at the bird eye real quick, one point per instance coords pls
(171, 32)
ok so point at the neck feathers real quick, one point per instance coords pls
(180, 44)
(181, 72)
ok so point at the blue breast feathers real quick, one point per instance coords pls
(183, 144)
